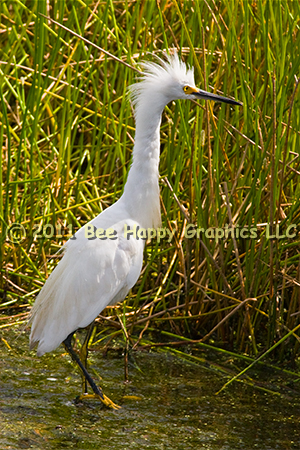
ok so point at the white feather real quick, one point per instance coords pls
(95, 273)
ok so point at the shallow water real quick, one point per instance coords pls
(169, 403)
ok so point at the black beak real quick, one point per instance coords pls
(216, 98)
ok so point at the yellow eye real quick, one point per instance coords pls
(188, 90)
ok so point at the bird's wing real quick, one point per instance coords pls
(92, 274)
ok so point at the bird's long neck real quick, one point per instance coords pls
(141, 191)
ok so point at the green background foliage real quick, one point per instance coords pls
(67, 132)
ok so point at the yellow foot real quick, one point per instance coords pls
(109, 403)
(105, 400)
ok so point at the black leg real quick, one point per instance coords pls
(68, 345)
(84, 354)
(97, 391)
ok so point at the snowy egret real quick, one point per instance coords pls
(103, 262)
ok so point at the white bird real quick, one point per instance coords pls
(94, 272)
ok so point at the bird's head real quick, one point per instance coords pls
(169, 80)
